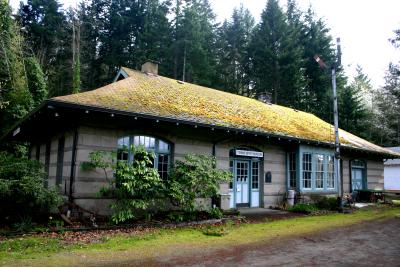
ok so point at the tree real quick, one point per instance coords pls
(36, 81)
(15, 98)
(276, 58)
(232, 52)
(316, 40)
(49, 37)
(195, 43)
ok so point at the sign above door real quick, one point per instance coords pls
(247, 153)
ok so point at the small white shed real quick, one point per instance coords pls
(392, 172)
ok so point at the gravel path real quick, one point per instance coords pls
(367, 244)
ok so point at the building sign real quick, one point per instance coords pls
(246, 153)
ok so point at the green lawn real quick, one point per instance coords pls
(52, 251)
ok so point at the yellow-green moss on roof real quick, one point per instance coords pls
(163, 97)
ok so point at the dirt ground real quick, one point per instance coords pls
(367, 244)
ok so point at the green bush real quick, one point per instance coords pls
(215, 213)
(137, 185)
(22, 191)
(304, 208)
(327, 203)
(195, 177)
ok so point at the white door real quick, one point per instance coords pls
(242, 174)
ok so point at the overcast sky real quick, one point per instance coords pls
(364, 27)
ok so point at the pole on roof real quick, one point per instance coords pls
(336, 167)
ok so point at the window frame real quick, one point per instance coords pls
(324, 154)
(154, 148)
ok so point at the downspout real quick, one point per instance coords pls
(73, 163)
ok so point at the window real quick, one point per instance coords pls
(330, 180)
(317, 170)
(292, 170)
(307, 170)
(319, 178)
(231, 170)
(60, 160)
(254, 175)
(161, 149)
(47, 163)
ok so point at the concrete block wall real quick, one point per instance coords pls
(275, 162)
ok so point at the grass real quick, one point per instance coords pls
(52, 251)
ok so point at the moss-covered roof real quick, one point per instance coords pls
(163, 97)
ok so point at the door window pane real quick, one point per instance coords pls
(255, 175)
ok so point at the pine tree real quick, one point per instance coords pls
(277, 58)
(232, 52)
(316, 40)
(195, 43)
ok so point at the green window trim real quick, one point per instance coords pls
(160, 148)
(315, 170)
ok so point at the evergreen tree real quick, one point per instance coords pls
(232, 52)
(195, 43)
(276, 57)
(316, 40)
(49, 35)
(36, 81)
(15, 98)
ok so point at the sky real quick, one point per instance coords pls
(364, 27)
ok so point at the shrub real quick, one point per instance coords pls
(195, 177)
(327, 203)
(137, 186)
(304, 208)
(22, 191)
(215, 213)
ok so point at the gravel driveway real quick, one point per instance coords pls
(367, 244)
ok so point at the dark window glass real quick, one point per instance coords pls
(292, 170)
(307, 170)
(60, 160)
(47, 163)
